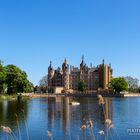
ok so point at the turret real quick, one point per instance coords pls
(50, 66)
(105, 75)
(82, 64)
(50, 74)
(65, 69)
(65, 66)
(103, 62)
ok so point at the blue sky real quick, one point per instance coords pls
(33, 32)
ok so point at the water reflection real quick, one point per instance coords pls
(65, 121)
(73, 117)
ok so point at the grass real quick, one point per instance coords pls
(13, 97)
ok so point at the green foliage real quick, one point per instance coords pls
(133, 83)
(2, 78)
(119, 84)
(16, 80)
(134, 90)
(29, 87)
(139, 90)
(82, 86)
(13, 97)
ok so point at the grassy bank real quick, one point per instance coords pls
(13, 97)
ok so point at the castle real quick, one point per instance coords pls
(68, 78)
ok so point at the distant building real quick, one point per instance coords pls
(68, 77)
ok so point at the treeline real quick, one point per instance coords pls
(13, 80)
(133, 84)
(128, 83)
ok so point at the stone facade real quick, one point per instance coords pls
(68, 77)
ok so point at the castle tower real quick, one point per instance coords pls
(107, 72)
(82, 64)
(105, 75)
(65, 69)
(50, 75)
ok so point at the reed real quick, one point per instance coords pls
(101, 100)
(27, 130)
(83, 127)
(50, 135)
(18, 126)
(92, 134)
(108, 122)
(90, 126)
(8, 130)
(90, 123)
(14, 136)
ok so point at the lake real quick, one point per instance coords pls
(32, 119)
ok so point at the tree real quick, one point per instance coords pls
(139, 89)
(133, 83)
(29, 87)
(119, 84)
(44, 81)
(82, 86)
(2, 79)
(16, 80)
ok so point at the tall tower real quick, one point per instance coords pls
(82, 65)
(106, 75)
(50, 75)
(65, 69)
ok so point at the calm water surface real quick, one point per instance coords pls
(30, 120)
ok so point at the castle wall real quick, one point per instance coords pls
(95, 78)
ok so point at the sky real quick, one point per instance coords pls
(33, 32)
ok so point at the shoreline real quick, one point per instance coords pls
(95, 95)
(26, 96)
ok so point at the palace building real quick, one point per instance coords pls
(68, 77)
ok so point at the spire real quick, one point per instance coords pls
(65, 65)
(50, 63)
(82, 65)
(83, 58)
(65, 61)
(103, 61)
(90, 65)
(50, 67)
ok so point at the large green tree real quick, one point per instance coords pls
(2, 78)
(16, 80)
(119, 84)
(82, 86)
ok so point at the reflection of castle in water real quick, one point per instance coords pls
(58, 109)
(108, 108)
(60, 113)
